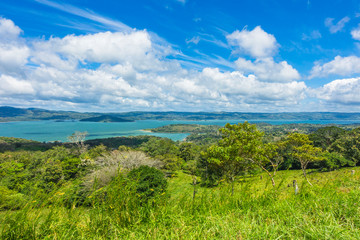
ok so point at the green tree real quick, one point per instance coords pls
(324, 137)
(240, 148)
(160, 146)
(303, 150)
(188, 151)
(348, 145)
(268, 160)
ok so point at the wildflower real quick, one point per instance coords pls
(151, 189)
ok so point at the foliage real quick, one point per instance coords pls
(235, 153)
(61, 193)
(78, 138)
(115, 142)
(189, 151)
(348, 145)
(11, 199)
(324, 137)
(150, 182)
(107, 166)
(329, 210)
(186, 128)
(160, 146)
(303, 150)
(332, 161)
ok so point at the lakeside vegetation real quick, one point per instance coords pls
(251, 182)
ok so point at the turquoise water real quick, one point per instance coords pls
(59, 131)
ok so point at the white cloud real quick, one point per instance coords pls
(334, 28)
(268, 70)
(342, 91)
(313, 35)
(262, 46)
(12, 86)
(342, 66)
(355, 33)
(127, 71)
(257, 43)
(234, 85)
(113, 24)
(8, 30)
(12, 57)
(195, 40)
(106, 47)
(13, 52)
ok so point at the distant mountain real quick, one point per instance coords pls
(11, 112)
(33, 114)
(105, 118)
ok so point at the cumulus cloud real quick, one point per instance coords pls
(13, 52)
(124, 71)
(268, 70)
(8, 30)
(257, 43)
(249, 89)
(12, 86)
(339, 66)
(12, 57)
(355, 33)
(261, 46)
(334, 28)
(105, 47)
(341, 91)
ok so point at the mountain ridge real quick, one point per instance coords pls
(8, 114)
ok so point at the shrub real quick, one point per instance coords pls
(149, 181)
(108, 166)
(332, 161)
(10, 199)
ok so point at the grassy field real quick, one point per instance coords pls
(328, 210)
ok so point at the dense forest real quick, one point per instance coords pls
(241, 181)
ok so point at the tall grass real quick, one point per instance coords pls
(328, 210)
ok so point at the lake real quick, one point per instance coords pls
(45, 131)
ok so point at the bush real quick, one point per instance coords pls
(10, 199)
(332, 161)
(149, 181)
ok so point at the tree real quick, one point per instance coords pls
(188, 151)
(268, 158)
(240, 148)
(78, 138)
(303, 150)
(324, 137)
(348, 145)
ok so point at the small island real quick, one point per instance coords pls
(184, 128)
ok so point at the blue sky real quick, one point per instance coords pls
(181, 55)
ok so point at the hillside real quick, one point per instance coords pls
(105, 118)
(32, 114)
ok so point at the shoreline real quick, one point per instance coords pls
(145, 130)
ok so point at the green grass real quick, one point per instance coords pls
(328, 210)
